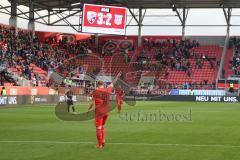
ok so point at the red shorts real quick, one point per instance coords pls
(100, 121)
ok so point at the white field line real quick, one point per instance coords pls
(134, 144)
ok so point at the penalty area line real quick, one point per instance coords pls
(136, 144)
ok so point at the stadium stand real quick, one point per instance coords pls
(233, 60)
(165, 60)
(178, 62)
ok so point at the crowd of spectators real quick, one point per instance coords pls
(171, 54)
(235, 43)
(20, 49)
(16, 49)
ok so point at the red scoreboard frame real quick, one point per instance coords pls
(104, 19)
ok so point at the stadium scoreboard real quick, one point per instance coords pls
(104, 19)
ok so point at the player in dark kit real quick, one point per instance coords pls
(69, 95)
(101, 101)
(119, 98)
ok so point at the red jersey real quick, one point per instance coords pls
(101, 97)
(119, 93)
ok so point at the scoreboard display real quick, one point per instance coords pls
(104, 19)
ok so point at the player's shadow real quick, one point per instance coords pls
(61, 111)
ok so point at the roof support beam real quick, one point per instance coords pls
(41, 5)
(22, 13)
(179, 15)
(49, 17)
(41, 18)
(31, 22)
(50, 14)
(13, 18)
(133, 15)
(68, 23)
(228, 14)
(36, 10)
(183, 18)
(64, 18)
(5, 7)
(140, 24)
(130, 21)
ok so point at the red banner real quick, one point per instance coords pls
(18, 90)
(104, 19)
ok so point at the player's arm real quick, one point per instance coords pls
(67, 93)
(115, 80)
(91, 106)
(123, 94)
(66, 96)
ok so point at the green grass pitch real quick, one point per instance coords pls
(34, 133)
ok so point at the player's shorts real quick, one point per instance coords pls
(69, 102)
(100, 121)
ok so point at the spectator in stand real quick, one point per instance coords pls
(201, 84)
(143, 53)
(198, 64)
(186, 85)
(189, 72)
(195, 85)
(81, 70)
(188, 64)
(235, 43)
(205, 82)
(223, 73)
(195, 55)
(211, 64)
(34, 81)
(234, 70)
(178, 66)
(172, 62)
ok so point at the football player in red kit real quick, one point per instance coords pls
(101, 101)
(119, 98)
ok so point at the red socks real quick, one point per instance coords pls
(99, 136)
(103, 134)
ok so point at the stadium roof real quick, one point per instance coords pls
(69, 12)
(49, 4)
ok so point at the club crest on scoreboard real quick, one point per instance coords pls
(91, 17)
(118, 19)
